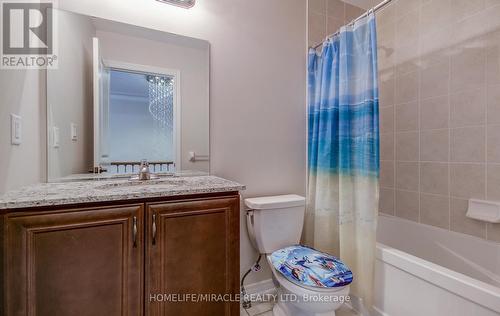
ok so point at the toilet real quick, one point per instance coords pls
(310, 282)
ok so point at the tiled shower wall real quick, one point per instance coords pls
(327, 16)
(439, 75)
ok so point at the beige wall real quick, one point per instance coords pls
(439, 65)
(21, 94)
(327, 16)
(69, 97)
(257, 93)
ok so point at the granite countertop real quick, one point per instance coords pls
(48, 194)
(124, 176)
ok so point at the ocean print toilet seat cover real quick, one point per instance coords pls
(307, 266)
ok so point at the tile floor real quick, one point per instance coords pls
(265, 309)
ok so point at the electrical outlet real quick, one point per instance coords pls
(15, 129)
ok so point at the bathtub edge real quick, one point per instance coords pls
(454, 282)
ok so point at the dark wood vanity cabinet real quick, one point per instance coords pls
(192, 248)
(75, 262)
(122, 259)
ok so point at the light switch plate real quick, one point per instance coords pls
(55, 137)
(74, 136)
(15, 129)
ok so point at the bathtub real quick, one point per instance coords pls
(422, 270)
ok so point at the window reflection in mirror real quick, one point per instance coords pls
(138, 120)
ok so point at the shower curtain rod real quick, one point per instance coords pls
(374, 9)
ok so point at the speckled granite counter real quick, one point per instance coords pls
(48, 194)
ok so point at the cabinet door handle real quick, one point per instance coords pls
(134, 232)
(154, 229)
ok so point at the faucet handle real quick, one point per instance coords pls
(144, 173)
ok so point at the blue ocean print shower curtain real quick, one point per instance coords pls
(343, 151)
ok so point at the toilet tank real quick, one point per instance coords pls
(275, 222)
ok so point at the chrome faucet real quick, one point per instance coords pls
(144, 173)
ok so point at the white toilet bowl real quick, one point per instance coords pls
(296, 300)
(311, 283)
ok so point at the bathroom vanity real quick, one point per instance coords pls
(119, 247)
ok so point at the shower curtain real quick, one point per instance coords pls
(343, 151)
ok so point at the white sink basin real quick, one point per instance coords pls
(135, 183)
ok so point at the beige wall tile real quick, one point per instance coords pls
(403, 7)
(317, 28)
(434, 178)
(317, 6)
(407, 116)
(386, 35)
(434, 80)
(472, 28)
(468, 108)
(434, 113)
(468, 144)
(385, 60)
(333, 25)
(387, 146)
(434, 145)
(407, 148)
(352, 12)
(492, 3)
(493, 143)
(386, 91)
(407, 205)
(407, 59)
(493, 104)
(468, 180)
(336, 9)
(435, 210)
(435, 46)
(386, 116)
(493, 231)
(464, 8)
(493, 58)
(386, 16)
(407, 176)
(435, 15)
(386, 201)
(439, 68)
(492, 21)
(387, 173)
(407, 29)
(493, 182)
(468, 68)
(407, 88)
(462, 224)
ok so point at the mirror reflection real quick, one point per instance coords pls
(130, 94)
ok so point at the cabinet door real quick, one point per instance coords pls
(192, 248)
(75, 262)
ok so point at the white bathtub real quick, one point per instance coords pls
(422, 270)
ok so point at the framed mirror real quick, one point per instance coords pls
(123, 93)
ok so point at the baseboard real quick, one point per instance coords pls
(378, 312)
(261, 288)
(357, 305)
(267, 287)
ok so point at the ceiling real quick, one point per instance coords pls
(364, 4)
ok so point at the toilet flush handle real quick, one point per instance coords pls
(250, 228)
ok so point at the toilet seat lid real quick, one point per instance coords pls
(307, 266)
